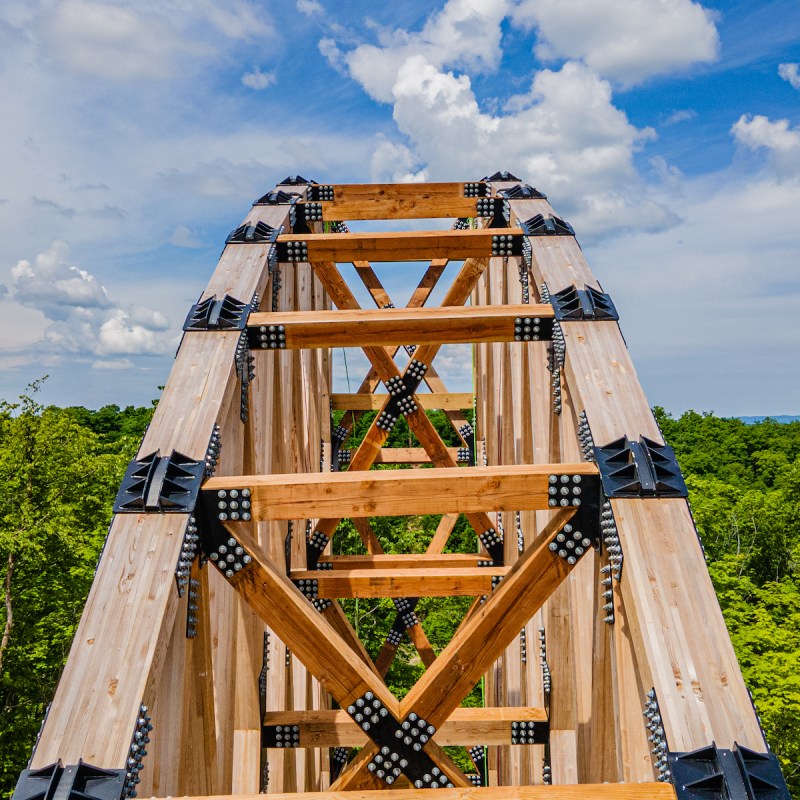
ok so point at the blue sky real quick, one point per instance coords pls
(134, 136)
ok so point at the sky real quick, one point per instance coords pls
(135, 135)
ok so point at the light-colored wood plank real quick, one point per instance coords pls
(450, 401)
(335, 728)
(387, 493)
(602, 791)
(400, 246)
(399, 582)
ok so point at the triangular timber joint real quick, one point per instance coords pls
(276, 198)
(540, 225)
(253, 234)
(714, 773)
(502, 175)
(522, 191)
(295, 180)
(79, 781)
(639, 469)
(573, 303)
(166, 484)
(212, 314)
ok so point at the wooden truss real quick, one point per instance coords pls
(213, 656)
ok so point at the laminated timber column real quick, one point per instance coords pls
(664, 586)
(123, 638)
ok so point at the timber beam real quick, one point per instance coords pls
(401, 493)
(586, 791)
(489, 726)
(446, 401)
(400, 246)
(395, 582)
(387, 326)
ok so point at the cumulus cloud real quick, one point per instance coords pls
(566, 136)
(680, 115)
(83, 319)
(258, 80)
(781, 141)
(626, 41)
(789, 72)
(465, 33)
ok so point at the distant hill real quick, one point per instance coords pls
(782, 418)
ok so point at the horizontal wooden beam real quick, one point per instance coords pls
(466, 726)
(405, 582)
(581, 791)
(383, 493)
(396, 246)
(408, 455)
(402, 561)
(387, 326)
(416, 207)
(383, 192)
(446, 401)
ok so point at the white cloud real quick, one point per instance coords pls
(789, 72)
(627, 41)
(258, 80)
(310, 7)
(83, 320)
(396, 163)
(566, 136)
(782, 142)
(465, 33)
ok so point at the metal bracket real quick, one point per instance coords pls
(502, 176)
(522, 191)
(245, 369)
(267, 337)
(573, 303)
(253, 234)
(79, 781)
(493, 544)
(401, 744)
(639, 469)
(713, 773)
(166, 484)
(296, 180)
(495, 209)
(293, 251)
(507, 244)
(225, 314)
(277, 197)
(530, 732)
(338, 435)
(320, 192)
(401, 390)
(533, 329)
(280, 736)
(476, 189)
(541, 225)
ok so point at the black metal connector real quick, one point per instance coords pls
(541, 225)
(225, 314)
(79, 781)
(522, 191)
(276, 198)
(713, 773)
(502, 175)
(573, 303)
(166, 484)
(253, 234)
(639, 469)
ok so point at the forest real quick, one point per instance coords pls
(60, 469)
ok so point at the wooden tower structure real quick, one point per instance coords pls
(213, 657)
